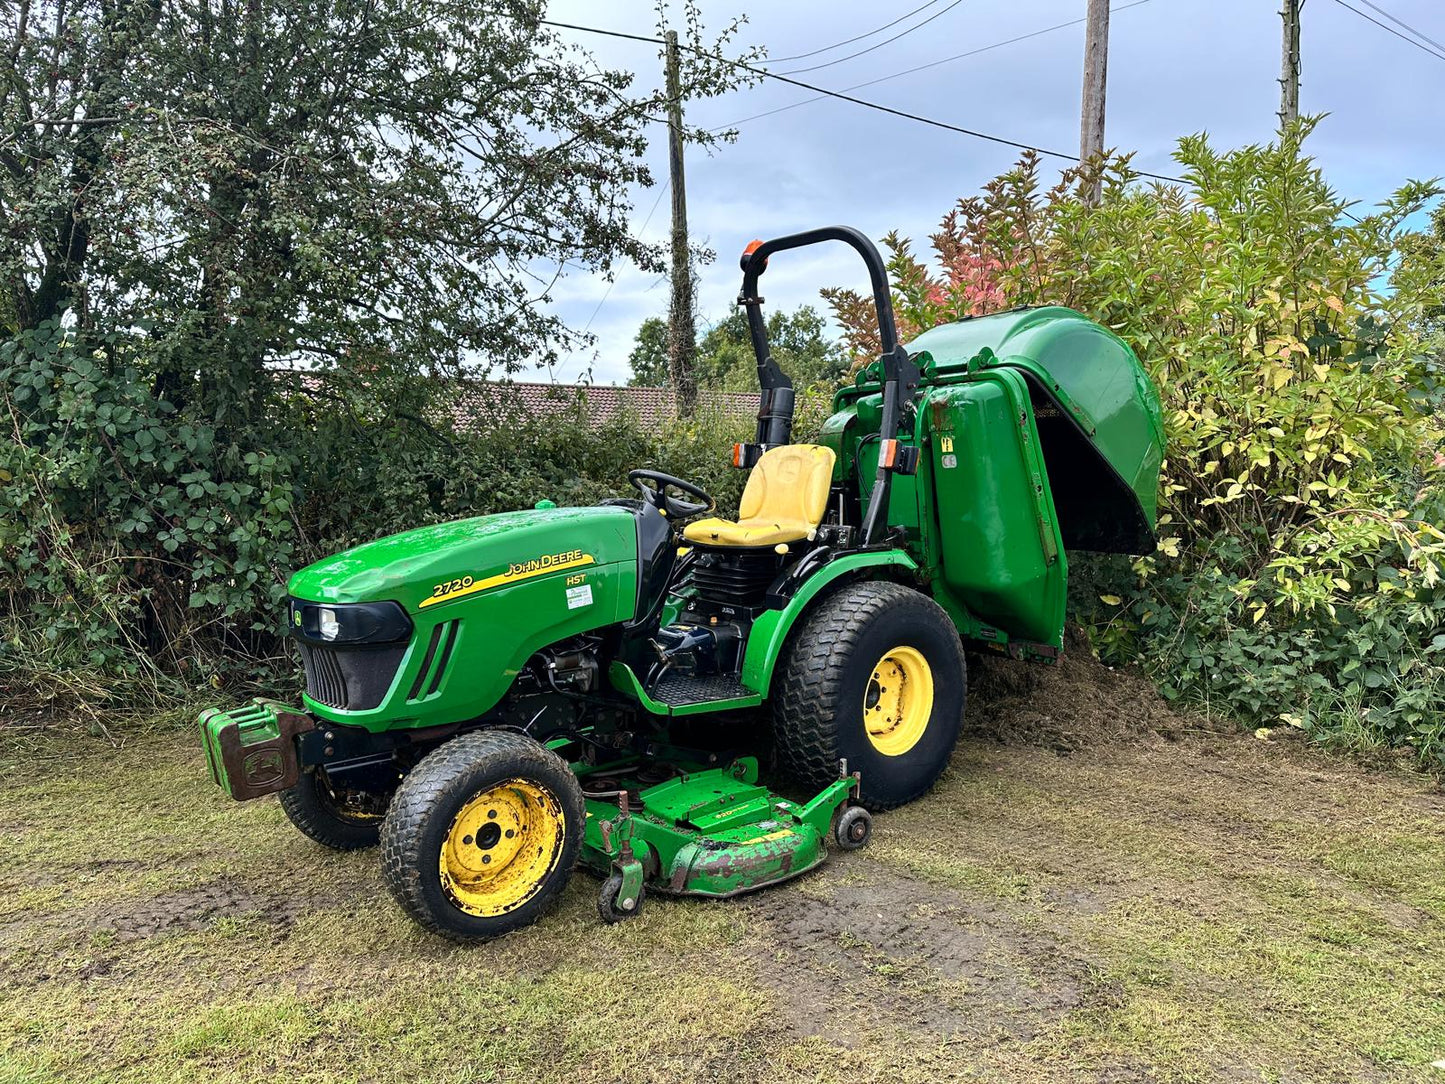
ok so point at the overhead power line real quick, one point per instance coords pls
(850, 41)
(876, 106)
(1405, 25)
(930, 64)
(886, 41)
(1385, 26)
(613, 282)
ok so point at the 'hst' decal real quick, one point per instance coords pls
(519, 570)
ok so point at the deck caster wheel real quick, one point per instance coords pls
(854, 828)
(611, 906)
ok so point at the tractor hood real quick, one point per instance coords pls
(431, 567)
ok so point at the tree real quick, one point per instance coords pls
(725, 360)
(199, 196)
(649, 356)
(374, 186)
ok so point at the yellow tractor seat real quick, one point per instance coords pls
(785, 498)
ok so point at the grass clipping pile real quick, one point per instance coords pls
(1098, 889)
(1074, 703)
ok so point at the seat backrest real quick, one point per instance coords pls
(789, 484)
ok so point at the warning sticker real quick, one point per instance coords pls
(577, 597)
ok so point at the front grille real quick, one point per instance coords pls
(350, 678)
(324, 681)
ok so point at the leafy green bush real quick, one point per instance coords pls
(144, 549)
(1297, 576)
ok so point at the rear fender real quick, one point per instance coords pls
(770, 631)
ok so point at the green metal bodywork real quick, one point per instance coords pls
(498, 618)
(1084, 367)
(251, 750)
(994, 503)
(710, 832)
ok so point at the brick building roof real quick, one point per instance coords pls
(477, 399)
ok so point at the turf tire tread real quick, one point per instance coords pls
(432, 782)
(807, 704)
(305, 809)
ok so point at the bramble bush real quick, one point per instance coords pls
(1297, 578)
(142, 553)
(213, 192)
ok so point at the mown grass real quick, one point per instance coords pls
(1155, 911)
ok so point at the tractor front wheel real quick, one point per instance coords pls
(333, 816)
(482, 835)
(875, 676)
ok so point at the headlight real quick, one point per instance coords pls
(350, 622)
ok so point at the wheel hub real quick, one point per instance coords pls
(500, 847)
(898, 701)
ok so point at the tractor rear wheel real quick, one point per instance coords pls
(482, 835)
(875, 676)
(344, 820)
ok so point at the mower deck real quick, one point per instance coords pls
(713, 832)
(663, 824)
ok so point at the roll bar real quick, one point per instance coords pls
(900, 375)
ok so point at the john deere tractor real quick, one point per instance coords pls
(495, 699)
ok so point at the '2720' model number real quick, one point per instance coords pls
(442, 590)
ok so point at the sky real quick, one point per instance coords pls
(1175, 67)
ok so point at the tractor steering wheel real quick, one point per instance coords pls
(657, 495)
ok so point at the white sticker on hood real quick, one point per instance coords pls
(577, 597)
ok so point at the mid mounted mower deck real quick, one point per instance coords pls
(497, 699)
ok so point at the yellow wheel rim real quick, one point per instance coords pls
(501, 846)
(898, 701)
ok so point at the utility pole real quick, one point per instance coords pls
(681, 334)
(1096, 73)
(1289, 64)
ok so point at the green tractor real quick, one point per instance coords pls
(495, 699)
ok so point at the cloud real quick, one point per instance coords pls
(1174, 68)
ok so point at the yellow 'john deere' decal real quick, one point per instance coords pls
(521, 570)
(779, 834)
